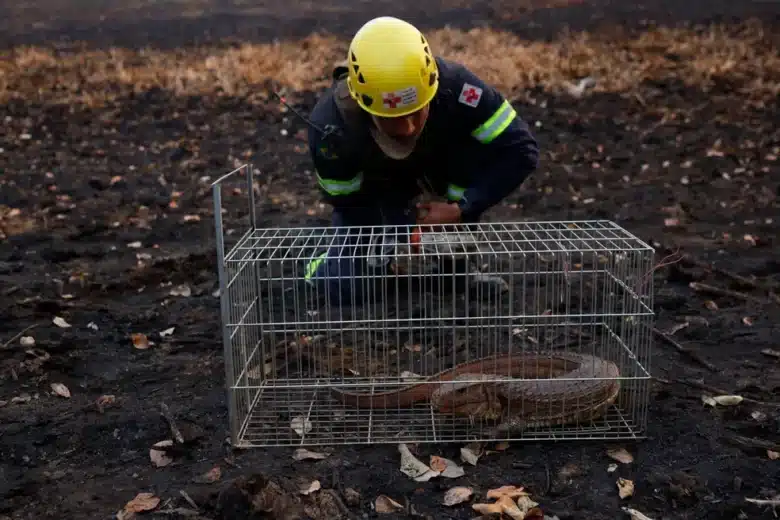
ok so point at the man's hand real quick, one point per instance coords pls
(438, 213)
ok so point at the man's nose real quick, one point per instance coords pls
(403, 126)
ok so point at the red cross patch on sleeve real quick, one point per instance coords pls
(470, 95)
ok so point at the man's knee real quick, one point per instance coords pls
(342, 279)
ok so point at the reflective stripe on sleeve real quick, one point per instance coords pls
(497, 123)
(334, 187)
(455, 192)
(313, 265)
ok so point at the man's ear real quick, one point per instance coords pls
(340, 70)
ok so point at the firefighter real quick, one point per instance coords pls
(399, 122)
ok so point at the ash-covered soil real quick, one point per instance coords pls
(104, 211)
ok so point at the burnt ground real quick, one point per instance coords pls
(90, 183)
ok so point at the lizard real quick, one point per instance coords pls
(507, 388)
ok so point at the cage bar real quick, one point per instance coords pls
(552, 318)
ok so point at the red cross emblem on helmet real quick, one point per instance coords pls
(391, 100)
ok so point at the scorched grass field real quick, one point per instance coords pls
(116, 117)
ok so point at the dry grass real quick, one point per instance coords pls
(744, 57)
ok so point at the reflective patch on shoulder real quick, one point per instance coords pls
(470, 95)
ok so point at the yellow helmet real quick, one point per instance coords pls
(392, 72)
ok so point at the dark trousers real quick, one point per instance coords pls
(359, 260)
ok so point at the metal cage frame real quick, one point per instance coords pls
(297, 411)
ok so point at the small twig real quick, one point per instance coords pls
(747, 282)
(166, 413)
(189, 499)
(691, 354)
(11, 290)
(548, 481)
(749, 442)
(719, 291)
(670, 259)
(180, 511)
(774, 503)
(760, 502)
(17, 336)
(709, 388)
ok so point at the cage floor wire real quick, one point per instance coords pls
(308, 416)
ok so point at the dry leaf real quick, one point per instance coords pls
(527, 506)
(310, 488)
(711, 305)
(385, 504)
(438, 463)
(142, 502)
(524, 508)
(301, 425)
(414, 467)
(709, 401)
(20, 399)
(773, 455)
(212, 475)
(758, 416)
(508, 491)
(61, 323)
(635, 515)
(677, 328)
(723, 400)
(625, 487)
(27, 341)
(471, 453)
(181, 290)
(457, 495)
(159, 457)
(104, 401)
(140, 341)
(612, 467)
(351, 497)
(503, 505)
(60, 389)
(728, 400)
(304, 454)
(445, 467)
(620, 455)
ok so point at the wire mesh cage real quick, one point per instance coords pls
(474, 332)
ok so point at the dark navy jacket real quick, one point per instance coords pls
(476, 155)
